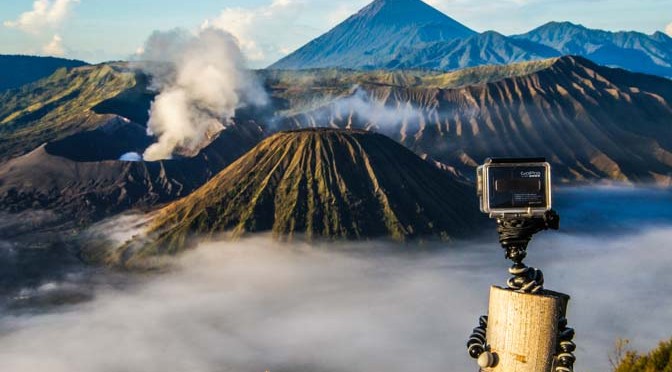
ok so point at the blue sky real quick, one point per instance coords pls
(100, 30)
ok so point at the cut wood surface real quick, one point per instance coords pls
(523, 328)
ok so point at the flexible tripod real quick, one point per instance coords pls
(515, 232)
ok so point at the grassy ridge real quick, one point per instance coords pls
(57, 106)
(308, 89)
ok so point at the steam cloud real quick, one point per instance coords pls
(202, 80)
(375, 112)
(258, 305)
(361, 109)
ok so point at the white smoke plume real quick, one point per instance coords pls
(202, 80)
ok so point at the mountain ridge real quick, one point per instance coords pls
(365, 41)
(632, 50)
(568, 109)
(18, 70)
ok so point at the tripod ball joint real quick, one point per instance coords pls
(487, 360)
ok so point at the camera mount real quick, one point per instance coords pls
(526, 328)
(515, 232)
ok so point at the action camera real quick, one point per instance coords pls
(514, 186)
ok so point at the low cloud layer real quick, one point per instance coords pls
(202, 80)
(362, 109)
(374, 112)
(258, 305)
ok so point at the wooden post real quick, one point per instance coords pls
(523, 329)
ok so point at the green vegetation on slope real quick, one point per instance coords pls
(57, 106)
(309, 89)
(658, 360)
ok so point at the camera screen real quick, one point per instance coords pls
(517, 187)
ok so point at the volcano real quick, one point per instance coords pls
(368, 38)
(320, 184)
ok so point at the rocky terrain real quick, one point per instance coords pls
(594, 124)
(591, 122)
(86, 190)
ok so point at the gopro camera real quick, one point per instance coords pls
(519, 187)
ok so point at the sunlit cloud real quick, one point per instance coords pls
(45, 15)
(263, 32)
(269, 32)
(668, 29)
(54, 47)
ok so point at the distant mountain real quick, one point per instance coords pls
(592, 123)
(19, 70)
(631, 50)
(488, 48)
(409, 34)
(321, 183)
(369, 38)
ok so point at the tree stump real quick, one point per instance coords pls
(523, 329)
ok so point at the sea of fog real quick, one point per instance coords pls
(259, 305)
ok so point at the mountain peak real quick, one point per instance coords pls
(381, 29)
(403, 10)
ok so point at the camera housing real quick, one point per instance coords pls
(514, 186)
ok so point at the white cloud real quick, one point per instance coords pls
(261, 31)
(45, 15)
(668, 29)
(54, 47)
(269, 32)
